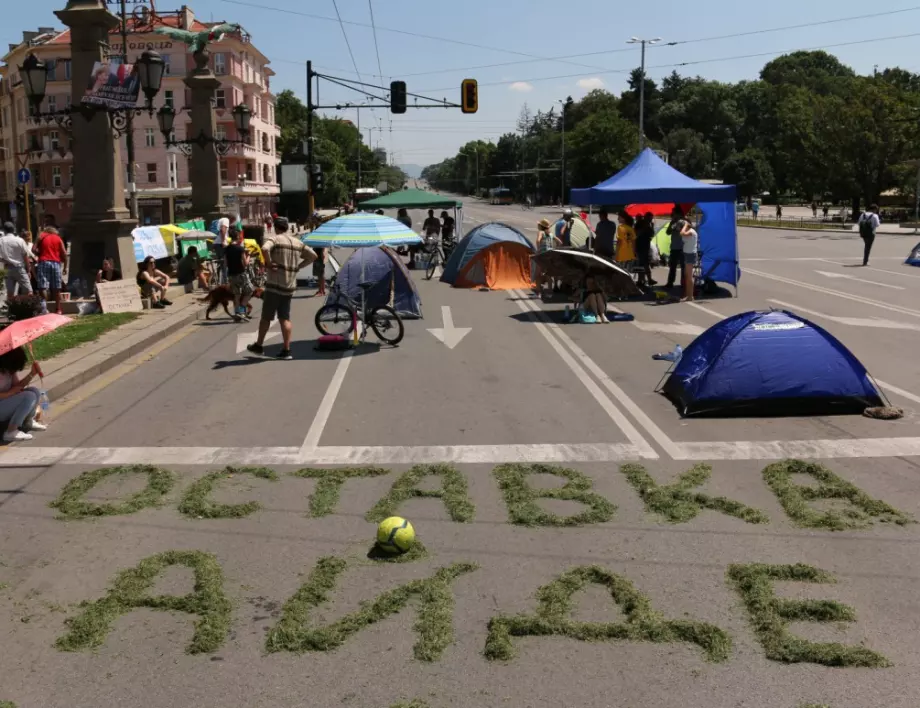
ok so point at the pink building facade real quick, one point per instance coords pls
(249, 173)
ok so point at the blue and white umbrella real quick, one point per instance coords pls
(361, 230)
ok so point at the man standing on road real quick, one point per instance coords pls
(16, 255)
(52, 265)
(605, 236)
(284, 256)
(220, 244)
(676, 257)
(869, 222)
(564, 228)
(432, 225)
(237, 257)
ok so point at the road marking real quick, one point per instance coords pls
(657, 433)
(94, 386)
(899, 391)
(801, 449)
(852, 321)
(247, 338)
(713, 313)
(325, 407)
(844, 276)
(679, 328)
(450, 335)
(903, 274)
(614, 413)
(835, 293)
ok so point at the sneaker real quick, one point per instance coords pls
(285, 355)
(255, 348)
(157, 306)
(15, 436)
(237, 318)
(166, 302)
(37, 426)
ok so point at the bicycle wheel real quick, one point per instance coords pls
(336, 319)
(387, 325)
(432, 265)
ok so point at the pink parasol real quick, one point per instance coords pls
(23, 332)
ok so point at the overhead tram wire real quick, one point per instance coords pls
(370, 6)
(335, 4)
(675, 65)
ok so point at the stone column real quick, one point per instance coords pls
(100, 224)
(204, 168)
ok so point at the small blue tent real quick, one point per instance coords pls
(769, 363)
(393, 285)
(914, 257)
(650, 180)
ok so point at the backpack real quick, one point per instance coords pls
(865, 226)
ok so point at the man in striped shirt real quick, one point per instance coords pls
(284, 256)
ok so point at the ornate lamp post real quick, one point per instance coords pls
(242, 117)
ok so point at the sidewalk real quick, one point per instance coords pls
(76, 366)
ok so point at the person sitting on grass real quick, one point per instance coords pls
(190, 269)
(153, 283)
(18, 400)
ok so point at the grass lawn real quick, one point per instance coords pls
(790, 224)
(84, 329)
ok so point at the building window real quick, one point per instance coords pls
(150, 139)
(37, 179)
(67, 101)
(22, 142)
(56, 176)
(220, 133)
(151, 172)
(52, 69)
(249, 172)
(166, 67)
(67, 69)
(6, 115)
(223, 171)
(52, 103)
(55, 140)
(21, 109)
(264, 142)
(220, 64)
(265, 173)
(220, 100)
(168, 99)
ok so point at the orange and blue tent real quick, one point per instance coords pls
(494, 256)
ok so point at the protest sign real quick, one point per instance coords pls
(119, 296)
(113, 85)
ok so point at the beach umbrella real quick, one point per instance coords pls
(361, 230)
(574, 265)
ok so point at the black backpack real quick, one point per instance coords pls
(865, 226)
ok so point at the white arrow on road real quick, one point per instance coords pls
(858, 280)
(450, 335)
(851, 321)
(244, 340)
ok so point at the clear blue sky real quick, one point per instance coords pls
(534, 28)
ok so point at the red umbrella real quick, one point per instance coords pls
(22, 332)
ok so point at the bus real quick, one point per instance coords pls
(362, 194)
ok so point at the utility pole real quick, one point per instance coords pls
(310, 108)
(643, 42)
(562, 167)
(359, 148)
(129, 134)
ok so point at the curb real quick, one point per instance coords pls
(74, 382)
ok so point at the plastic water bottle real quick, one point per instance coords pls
(567, 315)
(673, 356)
(45, 403)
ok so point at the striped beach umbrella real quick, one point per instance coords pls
(360, 230)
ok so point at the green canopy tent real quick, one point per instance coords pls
(417, 199)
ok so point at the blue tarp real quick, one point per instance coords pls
(482, 236)
(914, 257)
(769, 363)
(650, 180)
(392, 283)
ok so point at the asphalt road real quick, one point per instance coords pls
(518, 387)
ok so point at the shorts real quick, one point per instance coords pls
(319, 268)
(241, 285)
(691, 259)
(48, 274)
(275, 305)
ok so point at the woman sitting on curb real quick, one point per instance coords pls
(18, 400)
(153, 283)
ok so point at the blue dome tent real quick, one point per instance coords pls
(769, 363)
(914, 257)
(492, 255)
(650, 180)
(392, 284)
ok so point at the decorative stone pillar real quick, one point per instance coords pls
(204, 167)
(100, 224)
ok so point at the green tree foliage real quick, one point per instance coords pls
(808, 126)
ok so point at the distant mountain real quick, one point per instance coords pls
(413, 171)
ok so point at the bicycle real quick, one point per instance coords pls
(526, 206)
(437, 253)
(341, 318)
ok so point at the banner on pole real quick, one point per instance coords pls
(113, 85)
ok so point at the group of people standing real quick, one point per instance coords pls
(29, 267)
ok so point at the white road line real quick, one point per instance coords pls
(835, 293)
(905, 274)
(634, 410)
(664, 328)
(478, 454)
(808, 449)
(620, 420)
(24, 456)
(899, 391)
(325, 406)
(844, 276)
(877, 323)
(713, 313)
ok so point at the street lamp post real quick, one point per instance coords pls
(643, 42)
(562, 164)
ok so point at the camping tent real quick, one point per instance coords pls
(392, 284)
(914, 257)
(493, 255)
(769, 363)
(418, 199)
(648, 179)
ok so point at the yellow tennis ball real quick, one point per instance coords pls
(395, 535)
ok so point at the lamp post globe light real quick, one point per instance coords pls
(34, 74)
(242, 118)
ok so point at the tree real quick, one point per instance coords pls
(750, 171)
(600, 145)
(817, 71)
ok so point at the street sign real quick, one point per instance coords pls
(24, 176)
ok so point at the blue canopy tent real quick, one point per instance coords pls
(769, 363)
(650, 180)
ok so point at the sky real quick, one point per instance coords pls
(516, 50)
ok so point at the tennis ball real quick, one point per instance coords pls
(395, 535)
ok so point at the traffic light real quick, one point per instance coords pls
(397, 97)
(469, 96)
(21, 197)
(318, 181)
